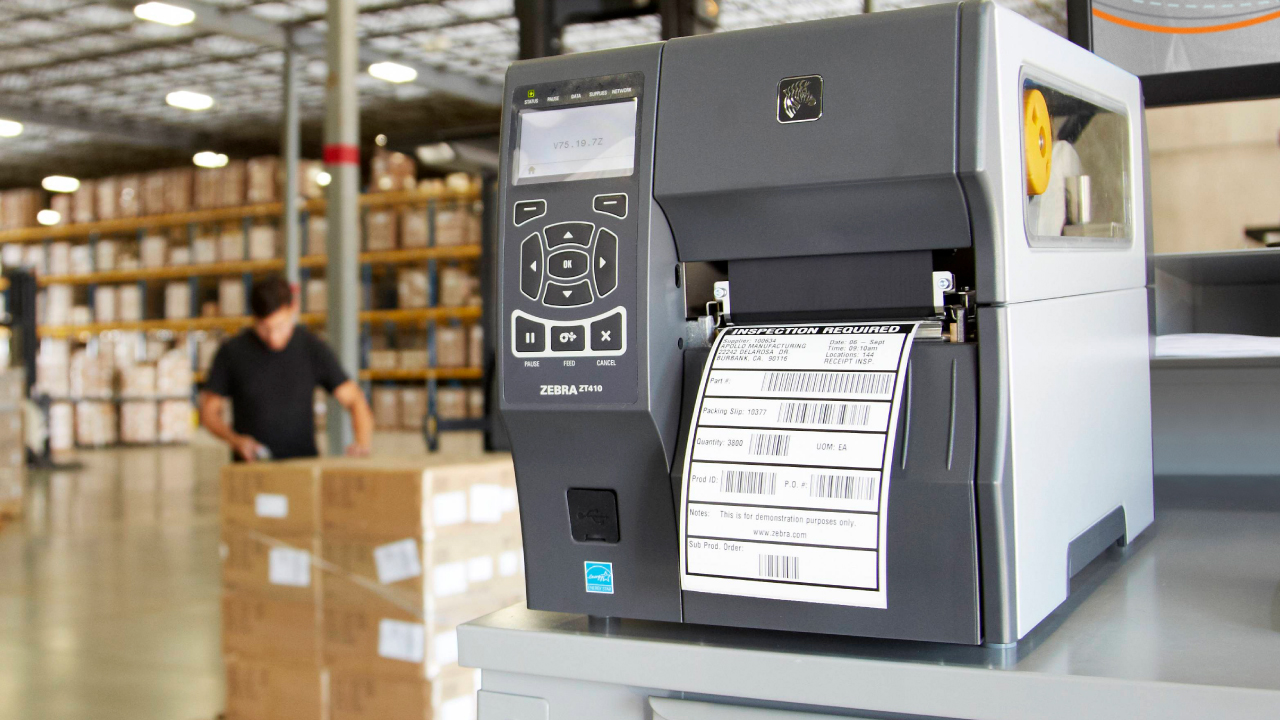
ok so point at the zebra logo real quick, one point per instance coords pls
(800, 99)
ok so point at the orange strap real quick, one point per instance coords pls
(1185, 30)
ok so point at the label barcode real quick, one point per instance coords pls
(786, 567)
(744, 481)
(843, 487)
(769, 444)
(829, 382)
(823, 413)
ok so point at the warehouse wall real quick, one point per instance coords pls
(1214, 170)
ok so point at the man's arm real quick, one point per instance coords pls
(351, 397)
(212, 410)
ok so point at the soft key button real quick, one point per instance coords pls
(531, 266)
(568, 264)
(568, 338)
(615, 205)
(606, 262)
(606, 333)
(527, 210)
(569, 233)
(578, 293)
(530, 335)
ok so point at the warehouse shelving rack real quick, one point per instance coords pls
(372, 262)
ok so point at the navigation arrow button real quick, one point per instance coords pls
(531, 266)
(606, 251)
(568, 295)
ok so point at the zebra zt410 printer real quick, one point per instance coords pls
(835, 327)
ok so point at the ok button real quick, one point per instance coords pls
(568, 338)
(568, 264)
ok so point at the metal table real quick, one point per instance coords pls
(1185, 623)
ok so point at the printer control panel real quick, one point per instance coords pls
(570, 233)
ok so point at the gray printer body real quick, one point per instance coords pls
(1024, 442)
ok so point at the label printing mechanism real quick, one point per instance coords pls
(954, 164)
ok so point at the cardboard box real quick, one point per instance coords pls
(108, 199)
(231, 297)
(475, 346)
(95, 424)
(178, 187)
(412, 288)
(413, 407)
(452, 226)
(316, 296)
(451, 346)
(61, 204)
(18, 208)
(82, 202)
(13, 386)
(413, 227)
(106, 255)
(317, 236)
(52, 367)
(380, 230)
(153, 192)
(451, 403)
(138, 381)
(273, 567)
(179, 256)
(231, 243)
(177, 300)
(413, 359)
(139, 422)
(274, 690)
(129, 202)
(89, 375)
(206, 188)
(59, 261)
(175, 421)
(357, 695)
(277, 499)
(265, 627)
(153, 251)
(61, 427)
(81, 259)
(309, 186)
(129, 299)
(475, 403)
(263, 242)
(390, 171)
(383, 360)
(173, 373)
(399, 498)
(386, 405)
(457, 287)
(233, 184)
(204, 249)
(263, 180)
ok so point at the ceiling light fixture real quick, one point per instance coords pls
(209, 159)
(10, 128)
(164, 13)
(393, 72)
(188, 100)
(323, 179)
(60, 184)
(48, 217)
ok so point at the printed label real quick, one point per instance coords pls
(459, 708)
(397, 561)
(599, 577)
(486, 503)
(508, 563)
(449, 508)
(399, 640)
(786, 476)
(449, 579)
(270, 505)
(289, 566)
(480, 569)
(446, 646)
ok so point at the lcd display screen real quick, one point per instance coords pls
(576, 143)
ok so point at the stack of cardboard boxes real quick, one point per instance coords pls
(13, 456)
(345, 582)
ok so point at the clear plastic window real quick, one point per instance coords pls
(1083, 198)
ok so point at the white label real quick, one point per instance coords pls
(449, 579)
(508, 499)
(480, 569)
(270, 505)
(486, 503)
(446, 647)
(289, 566)
(787, 470)
(399, 640)
(508, 563)
(459, 708)
(397, 561)
(449, 508)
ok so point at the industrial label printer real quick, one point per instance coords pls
(955, 167)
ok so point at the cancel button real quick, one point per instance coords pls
(606, 333)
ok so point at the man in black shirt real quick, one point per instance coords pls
(270, 372)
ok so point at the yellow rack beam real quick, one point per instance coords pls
(423, 374)
(400, 316)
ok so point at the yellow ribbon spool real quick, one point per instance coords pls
(1037, 139)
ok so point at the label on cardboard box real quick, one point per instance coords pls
(270, 505)
(449, 508)
(289, 566)
(397, 561)
(459, 708)
(446, 646)
(508, 500)
(480, 569)
(399, 640)
(449, 579)
(509, 563)
(486, 503)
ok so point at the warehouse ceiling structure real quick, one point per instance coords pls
(88, 79)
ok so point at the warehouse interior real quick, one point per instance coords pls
(159, 159)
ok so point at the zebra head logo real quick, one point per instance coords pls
(800, 99)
